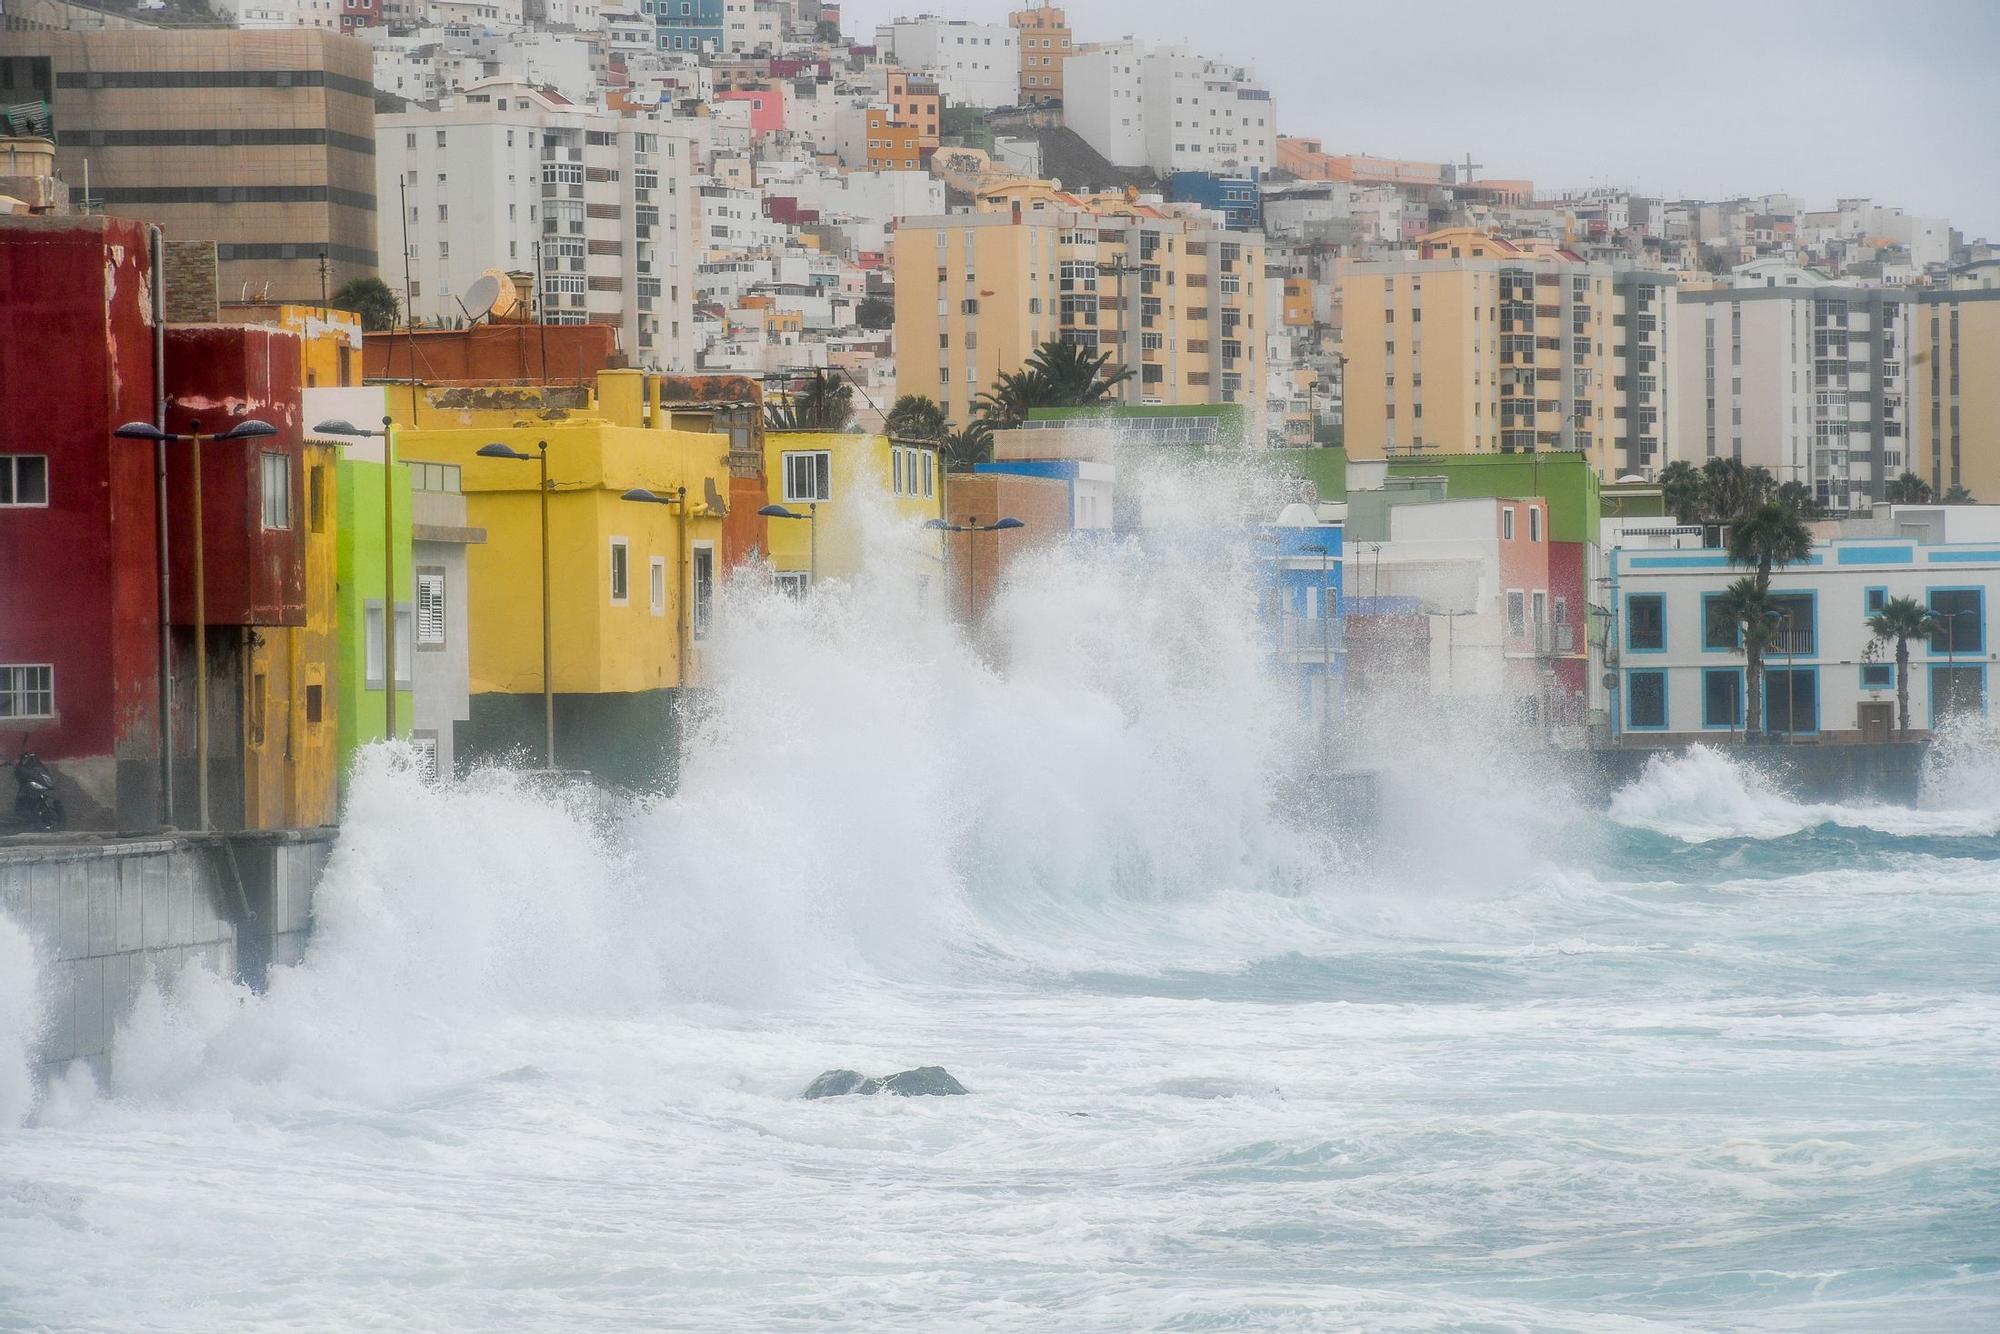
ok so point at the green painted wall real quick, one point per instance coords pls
(1567, 480)
(362, 716)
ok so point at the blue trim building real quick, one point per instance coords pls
(687, 25)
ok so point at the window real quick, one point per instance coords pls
(1791, 699)
(930, 471)
(808, 476)
(1722, 697)
(1646, 701)
(621, 570)
(27, 690)
(657, 568)
(371, 618)
(1874, 599)
(430, 608)
(1534, 524)
(1956, 690)
(315, 703)
(1961, 627)
(1507, 523)
(1646, 622)
(1877, 675)
(24, 480)
(704, 588)
(1517, 612)
(277, 481)
(1719, 632)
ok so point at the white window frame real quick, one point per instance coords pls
(432, 629)
(274, 479)
(10, 466)
(821, 475)
(620, 571)
(371, 645)
(701, 603)
(1534, 523)
(14, 685)
(1506, 523)
(656, 584)
(794, 583)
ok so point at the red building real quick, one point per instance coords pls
(79, 569)
(359, 14)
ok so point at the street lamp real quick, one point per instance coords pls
(678, 497)
(500, 451)
(972, 525)
(341, 426)
(811, 516)
(1783, 620)
(251, 429)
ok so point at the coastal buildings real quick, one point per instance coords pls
(1681, 672)
(1176, 299)
(1167, 109)
(1954, 387)
(259, 141)
(863, 498)
(602, 208)
(1484, 346)
(1045, 47)
(1787, 370)
(973, 64)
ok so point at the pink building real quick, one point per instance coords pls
(767, 107)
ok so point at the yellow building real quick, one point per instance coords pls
(632, 584)
(1483, 346)
(1173, 297)
(1955, 350)
(1045, 45)
(846, 484)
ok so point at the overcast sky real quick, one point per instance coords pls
(1896, 100)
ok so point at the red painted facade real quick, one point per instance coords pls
(222, 375)
(494, 354)
(77, 578)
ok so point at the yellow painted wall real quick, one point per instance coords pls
(1977, 349)
(600, 645)
(863, 472)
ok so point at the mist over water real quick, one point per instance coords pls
(1711, 1058)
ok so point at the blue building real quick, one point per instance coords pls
(1306, 608)
(1239, 199)
(687, 25)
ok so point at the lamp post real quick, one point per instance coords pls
(500, 451)
(972, 525)
(1325, 635)
(341, 426)
(251, 429)
(811, 516)
(677, 497)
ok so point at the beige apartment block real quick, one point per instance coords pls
(1492, 349)
(1173, 298)
(1045, 46)
(263, 142)
(1955, 383)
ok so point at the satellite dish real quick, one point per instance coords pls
(484, 295)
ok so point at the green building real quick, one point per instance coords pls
(359, 550)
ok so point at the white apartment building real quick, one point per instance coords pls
(1803, 377)
(974, 64)
(601, 207)
(733, 222)
(1170, 110)
(752, 26)
(427, 64)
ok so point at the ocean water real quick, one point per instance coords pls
(1710, 1058)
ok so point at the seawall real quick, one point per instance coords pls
(1891, 772)
(106, 913)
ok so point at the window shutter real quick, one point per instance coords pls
(430, 609)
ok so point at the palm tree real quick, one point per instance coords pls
(1729, 490)
(1770, 535)
(1680, 483)
(1074, 376)
(1903, 619)
(963, 448)
(1011, 398)
(1800, 500)
(1909, 489)
(371, 299)
(821, 404)
(1746, 604)
(915, 417)
(1958, 495)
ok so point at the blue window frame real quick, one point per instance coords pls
(1722, 698)
(1791, 700)
(1873, 599)
(1961, 614)
(1646, 701)
(1798, 629)
(1956, 688)
(1719, 634)
(1646, 623)
(1878, 676)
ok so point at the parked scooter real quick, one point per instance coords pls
(36, 805)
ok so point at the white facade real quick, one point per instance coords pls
(1169, 110)
(1680, 673)
(1808, 381)
(503, 177)
(974, 64)
(751, 26)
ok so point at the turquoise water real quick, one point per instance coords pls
(1716, 1059)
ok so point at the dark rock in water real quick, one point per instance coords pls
(925, 1081)
(837, 1083)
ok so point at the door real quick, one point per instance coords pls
(1878, 722)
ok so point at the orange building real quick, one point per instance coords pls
(893, 147)
(1309, 161)
(1045, 45)
(916, 104)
